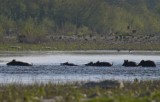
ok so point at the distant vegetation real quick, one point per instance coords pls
(34, 21)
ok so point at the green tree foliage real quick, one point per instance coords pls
(37, 19)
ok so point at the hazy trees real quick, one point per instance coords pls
(36, 19)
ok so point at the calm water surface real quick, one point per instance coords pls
(46, 66)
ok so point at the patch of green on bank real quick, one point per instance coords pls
(148, 91)
(62, 46)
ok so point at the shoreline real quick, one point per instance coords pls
(107, 91)
(79, 46)
(83, 52)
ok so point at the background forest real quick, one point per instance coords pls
(33, 21)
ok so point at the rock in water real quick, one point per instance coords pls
(104, 84)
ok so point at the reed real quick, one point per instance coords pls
(137, 91)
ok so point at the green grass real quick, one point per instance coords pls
(146, 91)
(61, 46)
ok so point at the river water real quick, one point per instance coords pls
(46, 66)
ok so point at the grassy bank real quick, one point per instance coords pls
(147, 91)
(61, 46)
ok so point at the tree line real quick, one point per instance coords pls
(34, 20)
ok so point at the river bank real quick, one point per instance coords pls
(137, 91)
(71, 46)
